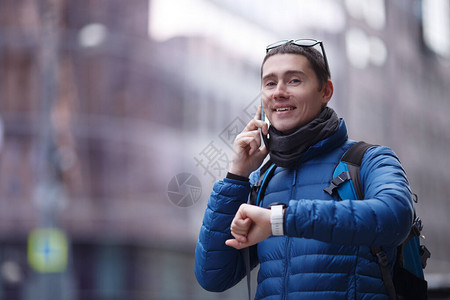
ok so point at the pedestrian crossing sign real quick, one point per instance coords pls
(47, 250)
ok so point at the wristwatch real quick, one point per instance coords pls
(277, 218)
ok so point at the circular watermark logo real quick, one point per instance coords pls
(184, 190)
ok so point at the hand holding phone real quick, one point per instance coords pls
(248, 149)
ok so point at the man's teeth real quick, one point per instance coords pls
(284, 109)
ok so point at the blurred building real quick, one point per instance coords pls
(103, 103)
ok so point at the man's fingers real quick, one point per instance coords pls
(258, 113)
(263, 151)
(259, 151)
(239, 229)
(235, 244)
(248, 136)
(241, 226)
(256, 124)
(250, 140)
(239, 237)
(264, 127)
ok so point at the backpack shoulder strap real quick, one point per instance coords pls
(356, 152)
(256, 192)
(258, 189)
(353, 157)
(346, 177)
(246, 255)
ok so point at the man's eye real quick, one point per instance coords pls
(294, 81)
(270, 84)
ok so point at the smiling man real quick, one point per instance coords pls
(292, 94)
(309, 244)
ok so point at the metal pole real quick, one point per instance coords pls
(49, 193)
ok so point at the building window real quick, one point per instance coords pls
(436, 26)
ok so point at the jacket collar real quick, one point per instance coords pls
(328, 144)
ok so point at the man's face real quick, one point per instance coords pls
(290, 92)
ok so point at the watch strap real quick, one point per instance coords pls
(277, 219)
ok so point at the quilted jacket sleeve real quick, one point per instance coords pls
(384, 218)
(218, 266)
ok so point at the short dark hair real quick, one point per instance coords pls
(314, 57)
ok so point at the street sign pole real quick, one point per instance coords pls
(48, 246)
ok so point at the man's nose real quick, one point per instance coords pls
(280, 91)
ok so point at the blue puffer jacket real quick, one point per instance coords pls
(326, 251)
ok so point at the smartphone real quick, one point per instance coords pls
(265, 119)
(263, 115)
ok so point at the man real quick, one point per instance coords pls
(309, 245)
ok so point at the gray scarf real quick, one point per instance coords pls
(287, 149)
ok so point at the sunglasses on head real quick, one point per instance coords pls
(302, 43)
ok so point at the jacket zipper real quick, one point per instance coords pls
(286, 268)
(288, 243)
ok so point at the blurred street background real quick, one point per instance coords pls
(117, 116)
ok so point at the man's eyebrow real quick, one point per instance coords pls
(286, 73)
(268, 76)
(294, 72)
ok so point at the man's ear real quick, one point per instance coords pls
(327, 92)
